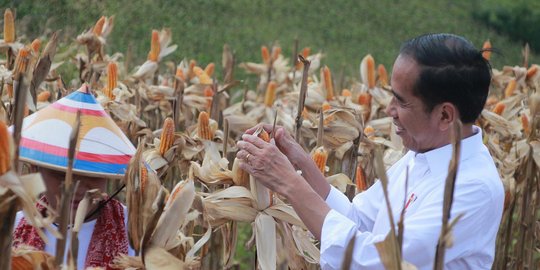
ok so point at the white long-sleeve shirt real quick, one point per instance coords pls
(478, 194)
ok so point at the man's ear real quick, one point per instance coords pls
(447, 114)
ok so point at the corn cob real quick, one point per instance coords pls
(270, 95)
(9, 88)
(276, 51)
(265, 55)
(525, 123)
(203, 77)
(346, 93)
(36, 45)
(9, 27)
(361, 184)
(369, 131)
(499, 108)
(240, 177)
(305, 113)
(204, 132)
(208, 93)
(383, 75)
(21, 62)
(320, 156)
(5, 160)
(43, 96)
(509, 90)
(153, 55)
(364, 99)
(326, 106)
(328, 83)
(167, 136)
(209, 69)
(368, 71)
(143, 176)
(112, 76)
(180, 74)
(305, 53)
(264, 136)
(191, 73)
(98, 28)
(486, 50)
(532, 71)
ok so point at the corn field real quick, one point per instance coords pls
(185, 194)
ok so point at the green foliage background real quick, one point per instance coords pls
(344, 30)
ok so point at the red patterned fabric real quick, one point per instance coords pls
(109, 238)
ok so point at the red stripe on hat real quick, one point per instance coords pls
(61, 151)
(65, 108)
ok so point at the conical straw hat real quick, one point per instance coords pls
(102, 148)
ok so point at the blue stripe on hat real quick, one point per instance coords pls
(83, 165)
(82, 97)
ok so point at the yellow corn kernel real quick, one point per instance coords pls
(532, 71)
(383, 75)
(361, 184)
(369, 131)
(143, 177)
(364, 99)
(208, 93)
(204, 132)
(98, 28)
(328, 83)
(167, 135)
(265, 55)
(509, 90)
(369, 67)
(320, 156)
(153, 55)
(525, 123)
(112, 79)
(5, 161)
(36, 45)
(346, 93)
(276, 51)
(326, 106)
(9, 27)
(209, 69)
(203, 77)
(270, 95)
(499, 108)
(486, 50)
(43, 96)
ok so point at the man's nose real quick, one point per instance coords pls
(390, 109)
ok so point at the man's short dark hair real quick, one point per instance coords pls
(451, 70)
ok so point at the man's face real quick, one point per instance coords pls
(417, 128)
(54, 179)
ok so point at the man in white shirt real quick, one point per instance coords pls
(436, 79)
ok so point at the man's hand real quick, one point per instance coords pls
(286, 144)
(266, 163)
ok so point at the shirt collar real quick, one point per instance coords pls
(438, 159)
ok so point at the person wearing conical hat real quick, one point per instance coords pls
(102, 152)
